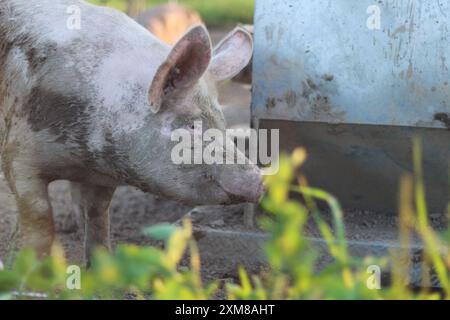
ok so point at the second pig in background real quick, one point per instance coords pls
(169, 21)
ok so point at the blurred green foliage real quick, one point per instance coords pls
(215, 13)
(130, 272)
(291, 273)
(292, 259)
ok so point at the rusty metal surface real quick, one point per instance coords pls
(362, 164)
(355, 95)
(319, 61)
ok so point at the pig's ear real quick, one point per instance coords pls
(231, 55)
(184, 66)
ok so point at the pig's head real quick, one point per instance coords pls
(182, 93)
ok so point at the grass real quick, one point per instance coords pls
(215, 13)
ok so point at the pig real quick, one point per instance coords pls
(96, 105)
(169, 21)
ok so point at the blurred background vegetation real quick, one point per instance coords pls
(215, 13)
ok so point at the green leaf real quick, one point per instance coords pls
(161, 231)
(26, 260)
(5, 296)
(9, 281)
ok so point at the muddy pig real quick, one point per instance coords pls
(95, 103)
(169, 21)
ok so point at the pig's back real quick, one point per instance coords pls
(52, 20)
(36, 36)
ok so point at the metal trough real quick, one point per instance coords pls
(354, 81)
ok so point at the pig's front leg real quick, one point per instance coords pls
(35, 226)
(93, 203)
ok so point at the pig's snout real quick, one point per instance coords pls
(248, 187)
